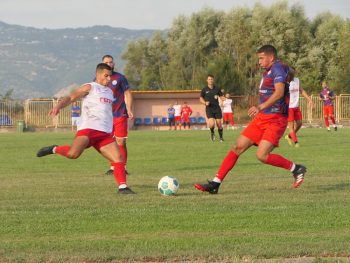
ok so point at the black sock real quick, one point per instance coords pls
(212, 130)
(221, 131)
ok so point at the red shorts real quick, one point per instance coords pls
(97, 139)
(228, 117)
(186, 118)
(120, 127)
(177, 119)
(268, 127)
(328, 110)
(294, 114)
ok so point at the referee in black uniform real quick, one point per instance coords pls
(210, 96)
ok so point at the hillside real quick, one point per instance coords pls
(40, 62)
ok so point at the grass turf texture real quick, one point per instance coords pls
(55, 209)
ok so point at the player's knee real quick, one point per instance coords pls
(73, 155)
(121, 141)
(262, 157)
(237, 149)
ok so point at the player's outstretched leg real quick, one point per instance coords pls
(46, 151)
(298, 174)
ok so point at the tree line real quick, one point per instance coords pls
(225, 44)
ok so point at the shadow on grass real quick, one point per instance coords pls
(335, 187)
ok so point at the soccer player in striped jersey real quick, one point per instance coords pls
(327, 96)
(122, 109)
(268, 125)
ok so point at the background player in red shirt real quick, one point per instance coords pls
(122, 108)
(186, 112)
(268, 125)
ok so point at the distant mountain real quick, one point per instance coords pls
(41, 62)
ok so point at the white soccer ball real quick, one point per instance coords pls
(168, 185)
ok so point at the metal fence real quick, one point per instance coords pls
(34, 112)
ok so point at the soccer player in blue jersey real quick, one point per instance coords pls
(267, 126)
(327, 96)
(122, 108)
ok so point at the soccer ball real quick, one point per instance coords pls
(168, 185)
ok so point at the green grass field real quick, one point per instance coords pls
(59, 210)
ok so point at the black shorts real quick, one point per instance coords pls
(213, 113)
(171, 121)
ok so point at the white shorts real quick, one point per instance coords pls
(75, 121)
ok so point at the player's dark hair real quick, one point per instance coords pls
(291, 74)
(103, 66)
(268, 49)
(210, 75)
(107, 56)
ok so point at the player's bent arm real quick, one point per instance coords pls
(202, 100)
(278, 93)
(129, 102)
(74, 96)
(304, 93)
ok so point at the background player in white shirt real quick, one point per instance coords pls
(96, 126)
(227, 110)
(294, 113)
(177, 108)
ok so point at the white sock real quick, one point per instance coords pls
(216, 180)
(54, 150)
(122, 186)
(293, 167)
(112, 168)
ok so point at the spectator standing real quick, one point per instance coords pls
(171, 116)
(186, 112)
(177, 115)
(75, 115)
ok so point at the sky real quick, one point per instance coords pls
(134, 14)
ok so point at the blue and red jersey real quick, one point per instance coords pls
(277, 73)
(325, 95)
(119, 85)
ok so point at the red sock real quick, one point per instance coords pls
(293, 135)
(124, 152)
(333, 120)
(227, 164)
(62, 150)
(279, 161)
(119, 173)
(326, 121)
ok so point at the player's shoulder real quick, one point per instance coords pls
(116, 74)
(279, 65)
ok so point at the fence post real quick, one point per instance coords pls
(26, 112)
(338, 108)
